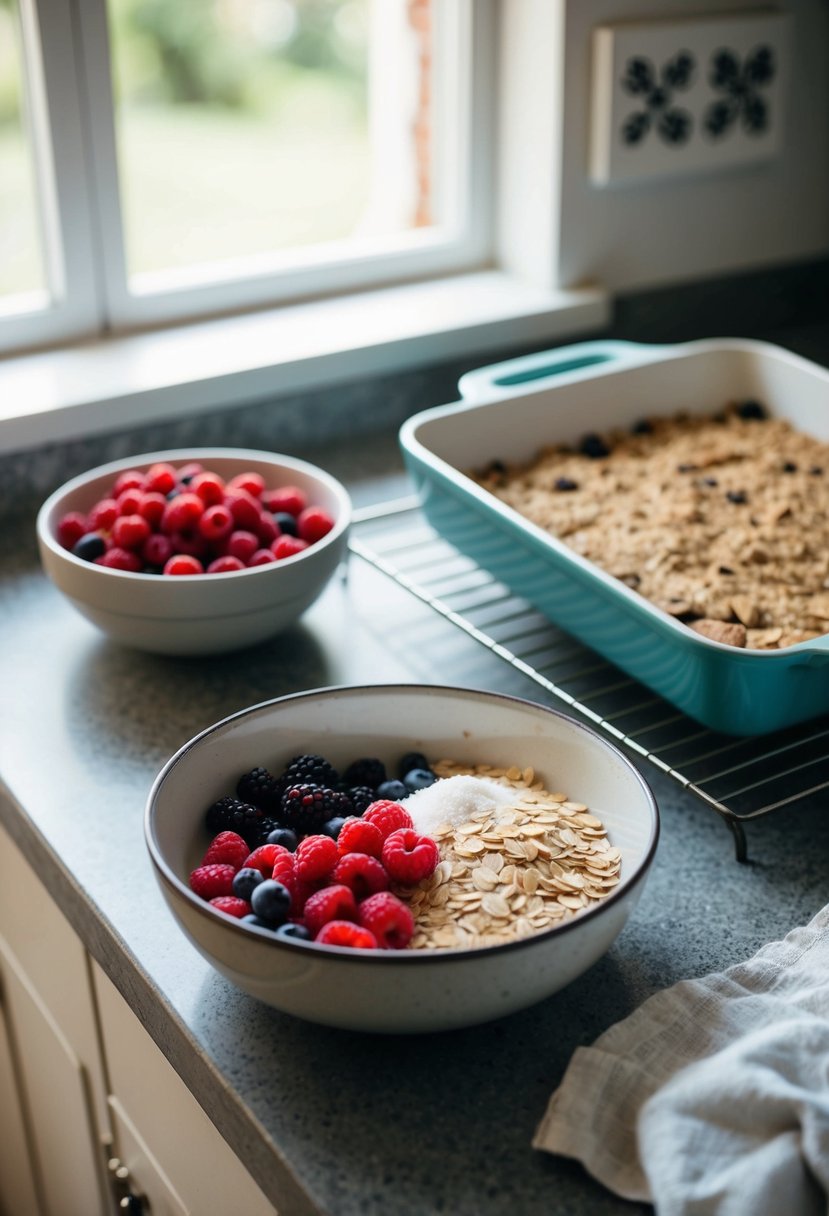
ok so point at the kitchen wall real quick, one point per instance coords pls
(674, 230)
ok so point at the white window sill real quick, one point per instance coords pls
(109, 385)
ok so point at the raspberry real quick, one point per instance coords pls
(128, 501)
(130, 479)
(344, 933)
(388, 919)
(266, 529)
(284, 870)
(188, 471)
(264, 858)
(409, 857)
(210, 488)
(161, 477)
(183, 563)
(231, 905)
(216, 523)
(313, 523)
(182, 512)
(227, 848)
(244, 508)
(262, 557)
(259, 787)
(360, 836)
(315, 857)
(192, 543)
(331, 903)
(157, 550)
(213, 880)
(130, 531)
(120, 559)
(367, 771)
(289, 499)
(388, 816)
(230, 814)
(364, 875)
(250, 482)
(242, 544)
(71, 527)
(103, 515)
(151, 507)
(224, 565)
(287, 546)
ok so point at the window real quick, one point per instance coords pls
(196, 157)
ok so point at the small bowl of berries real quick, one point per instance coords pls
(190, 552)
(400, 858)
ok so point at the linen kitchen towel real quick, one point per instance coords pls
(713, 1096)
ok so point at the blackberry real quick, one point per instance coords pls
(265, 828)
(306, 807)
(309, 769)
(361, 797)
(229, 814)
(261, 788)
(366, 771)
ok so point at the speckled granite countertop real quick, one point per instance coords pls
(328, 1121)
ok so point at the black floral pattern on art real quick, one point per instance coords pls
(740, 85)
(656, 91)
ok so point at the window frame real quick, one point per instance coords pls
(74, 127)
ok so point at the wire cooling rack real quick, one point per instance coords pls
(741, 779)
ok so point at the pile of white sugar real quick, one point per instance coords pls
(454, 800)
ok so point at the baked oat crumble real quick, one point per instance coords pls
(721, 521)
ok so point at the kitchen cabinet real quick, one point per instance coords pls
(82, 1083)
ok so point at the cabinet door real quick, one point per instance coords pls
(168, 1133)
(56, 1092)
(17, 1184)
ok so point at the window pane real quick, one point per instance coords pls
(21, 260)
(257, 127)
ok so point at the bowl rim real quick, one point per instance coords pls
(405, 957)
(171, 455)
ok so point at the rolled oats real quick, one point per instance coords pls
(511, 870)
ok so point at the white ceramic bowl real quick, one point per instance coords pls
(385, 990)
(205, 613)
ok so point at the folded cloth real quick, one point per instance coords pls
(713, 1096)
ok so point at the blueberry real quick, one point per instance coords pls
(738, 496)
(394, 790)
(297, 933)
(594, 447)
(751, 410)
(90, 546)
(284, 836)
(271, 901)
(285, 522)
(565, 484)
(332, 827)
(411, 760)
(419, 779)
(257, 922)
(245, 880)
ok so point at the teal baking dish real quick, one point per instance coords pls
(509, 410)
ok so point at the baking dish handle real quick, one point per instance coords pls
(564, 363)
